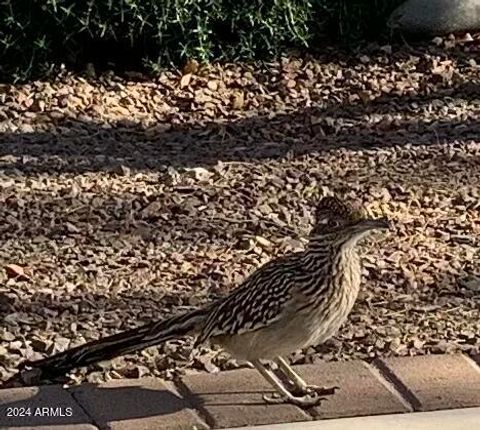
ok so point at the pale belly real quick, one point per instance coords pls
(280, 339)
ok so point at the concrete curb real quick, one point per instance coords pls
(234, 399)
(453, 419)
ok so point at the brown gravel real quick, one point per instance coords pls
(125, 199)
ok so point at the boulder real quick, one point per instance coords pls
(436, 17)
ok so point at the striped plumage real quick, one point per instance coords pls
(119, 344)
(289, 303)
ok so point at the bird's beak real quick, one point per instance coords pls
(374, 224)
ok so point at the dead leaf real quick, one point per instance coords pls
(185, 80)
(264, 243)
(205, 362)
(199, 173)
(364, 96)
(291, 83)
(471, 282)
(16, 271)
(191, 67)
(238, 100)
(212, 85)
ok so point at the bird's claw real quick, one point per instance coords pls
(321, 391)
(311, 395)
(309, 399)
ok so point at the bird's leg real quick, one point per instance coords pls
(301, 387)
(308, 399)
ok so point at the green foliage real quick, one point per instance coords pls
(36, 35)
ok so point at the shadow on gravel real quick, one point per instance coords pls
(78, 146)
(97, 222)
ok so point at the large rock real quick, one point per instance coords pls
(436, 17)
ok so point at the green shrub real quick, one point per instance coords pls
(36, 35)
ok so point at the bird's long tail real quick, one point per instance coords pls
(119, 344)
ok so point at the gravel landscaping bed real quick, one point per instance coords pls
(125, 199)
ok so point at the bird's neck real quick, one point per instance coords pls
(334, 268)
(346, 270)
(329, 251)
(328, 255)
(348, 273)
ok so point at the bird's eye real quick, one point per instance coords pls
(333, 223)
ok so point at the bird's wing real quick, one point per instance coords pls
(259, 301)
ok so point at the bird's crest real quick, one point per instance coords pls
(332, 206)
(332, 213)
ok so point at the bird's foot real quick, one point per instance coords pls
(315, 389)
(307, 400)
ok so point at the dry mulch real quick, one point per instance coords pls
(125, 199)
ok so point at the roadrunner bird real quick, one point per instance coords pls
(288, 304)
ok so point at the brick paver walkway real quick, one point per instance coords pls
(234, 398)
